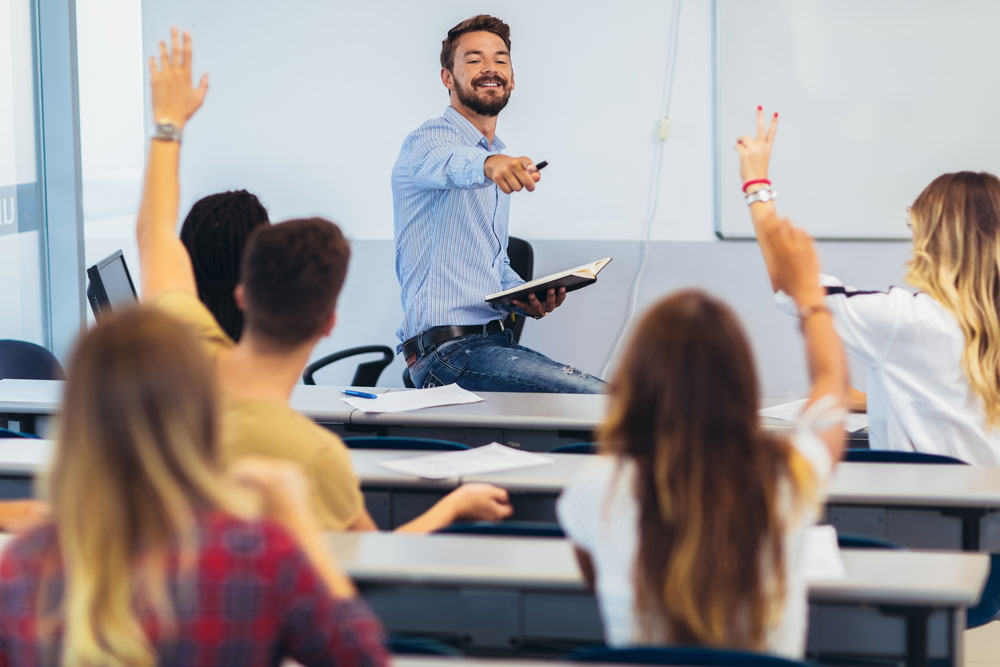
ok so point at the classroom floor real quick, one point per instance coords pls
(982, 646)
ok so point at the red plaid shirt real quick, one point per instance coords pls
(252, 599)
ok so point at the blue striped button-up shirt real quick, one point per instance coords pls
(450, 227)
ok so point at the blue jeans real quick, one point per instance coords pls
(493, 362)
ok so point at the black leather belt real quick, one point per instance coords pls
(437, 335)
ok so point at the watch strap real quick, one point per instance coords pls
(167, 131)
(762, 195)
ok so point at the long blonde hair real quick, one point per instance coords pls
(710, 565)
(956, 260)
(136, 462)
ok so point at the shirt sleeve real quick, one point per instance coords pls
(318, 629)
(578, 507)
(866, 321)
(338, 498)
(191, 311)
(439, 164)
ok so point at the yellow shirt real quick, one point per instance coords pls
(273, 428)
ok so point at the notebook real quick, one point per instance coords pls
(571, 279)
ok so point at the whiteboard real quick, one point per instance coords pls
(876, 99)
(309, 103)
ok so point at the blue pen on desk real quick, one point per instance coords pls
(359, 394)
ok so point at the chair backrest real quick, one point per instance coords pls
(522, 260)
(368, 372)
(852, 541)
(886, 456)
(402, 645)
(416, 444)
(506, 529)
(21, 360)
(575, 448)
(680, 655)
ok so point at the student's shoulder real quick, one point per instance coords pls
(273, 428)
(224, 536)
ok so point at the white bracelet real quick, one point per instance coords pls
(762, 195)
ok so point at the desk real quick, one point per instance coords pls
(496, 593)
(920, 506)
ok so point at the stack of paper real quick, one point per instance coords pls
(414, 399)
(789, 412)
(493, 457)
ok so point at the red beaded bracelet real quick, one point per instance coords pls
(755, 182)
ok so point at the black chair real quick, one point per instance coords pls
(505, 529)
(522, 260)
(21, 360)
(368, 372)
(575, 448)
(680, 655)
(887, 456)
(416, 444)
(852, 541)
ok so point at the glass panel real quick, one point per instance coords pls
(112, 137)
(21, 214)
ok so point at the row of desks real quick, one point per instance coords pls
(919, 506)
(534, 422)
(498, 594)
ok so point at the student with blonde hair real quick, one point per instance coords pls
(933, 357)
(692, 522)
(151, 556)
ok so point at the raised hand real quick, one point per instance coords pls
(755, 154)
(175, 99)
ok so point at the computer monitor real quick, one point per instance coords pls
(110, 285)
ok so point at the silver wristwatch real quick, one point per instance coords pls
(764, 194)
(167, 131)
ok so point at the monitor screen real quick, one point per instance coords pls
(110, 284)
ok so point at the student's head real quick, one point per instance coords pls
(291, 276)
(215, 233)
(136, 460)
(956, 260)
(475, 64)
(683, 407)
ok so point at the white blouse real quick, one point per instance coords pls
(599, 513)
(919, 398)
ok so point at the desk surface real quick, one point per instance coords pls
(931, 578)
(873, 576)
(32, 397)
(890, 484)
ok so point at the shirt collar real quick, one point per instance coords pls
(452, 115)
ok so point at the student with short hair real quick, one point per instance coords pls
(692, 523)
(933, 357)
(292, 273)
(215, 232)
(152, 556)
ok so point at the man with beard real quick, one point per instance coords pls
(451, 190)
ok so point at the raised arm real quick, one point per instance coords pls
(794, 269)
(164, 261)
(755, 155)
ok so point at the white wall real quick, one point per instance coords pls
(281, 109)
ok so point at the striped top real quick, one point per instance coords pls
(450, 224)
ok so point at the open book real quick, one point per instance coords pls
(572, 279)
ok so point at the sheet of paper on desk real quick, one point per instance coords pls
(789, 412)
(414, 399)
(493, 457)
(821, 558)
